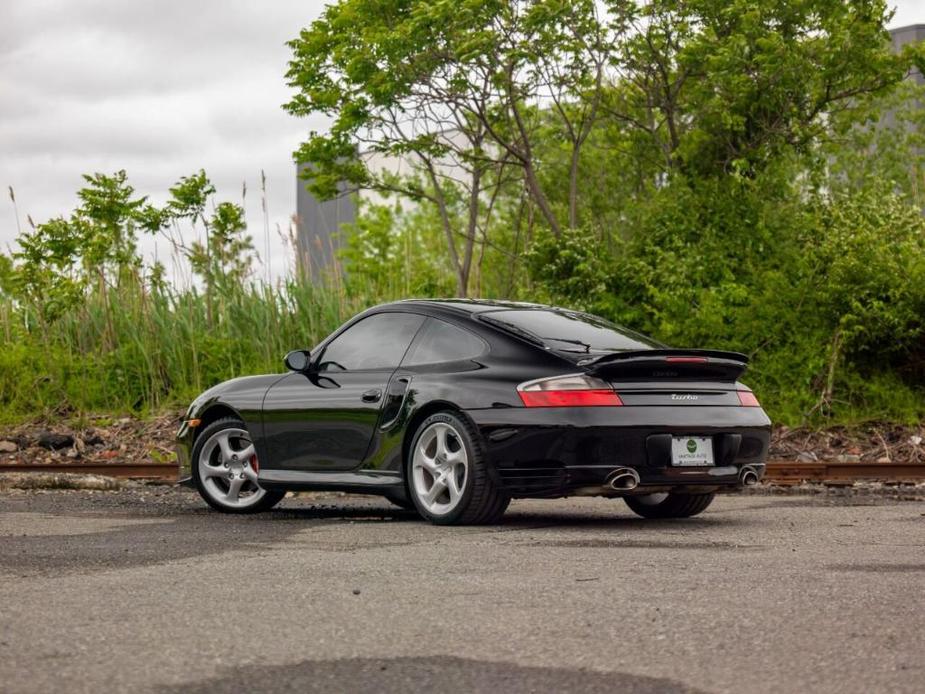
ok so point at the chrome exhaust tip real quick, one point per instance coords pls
(748, 476)
(623, 479)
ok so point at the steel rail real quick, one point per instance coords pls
(166, 472)
(784, 472)
(791, 472)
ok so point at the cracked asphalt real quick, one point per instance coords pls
(146, 590)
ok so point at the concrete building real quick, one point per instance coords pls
(317, 224)
(319, 221)
(906, 35)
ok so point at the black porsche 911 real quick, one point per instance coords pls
(454, 407)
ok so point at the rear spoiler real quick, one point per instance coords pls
(683, 364)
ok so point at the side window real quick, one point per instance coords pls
(440, 341)
(377, 342)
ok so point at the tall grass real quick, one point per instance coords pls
(134, 348)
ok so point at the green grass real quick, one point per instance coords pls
(137, 350)
(134, 350)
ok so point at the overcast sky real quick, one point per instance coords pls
(161, 89)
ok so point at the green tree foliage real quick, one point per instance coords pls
(722, 190)
(741, 174)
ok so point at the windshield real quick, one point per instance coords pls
(570, 331)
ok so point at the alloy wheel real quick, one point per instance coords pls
(439, 468)
(228, 468)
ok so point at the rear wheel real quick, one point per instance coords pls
(669, 504)
(448, 477)
(225, 469)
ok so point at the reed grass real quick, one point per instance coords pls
(138, 349)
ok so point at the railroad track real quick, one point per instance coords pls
(782, 472)
(165, 472)
(787, 472)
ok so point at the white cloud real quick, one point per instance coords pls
(158, 89)
(907, 12)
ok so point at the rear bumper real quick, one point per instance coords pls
(547, 452)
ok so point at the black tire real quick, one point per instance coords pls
(483, 502)
(675, 505)
(270, 497)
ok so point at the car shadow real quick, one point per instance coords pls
(358, 509)
(424, 673)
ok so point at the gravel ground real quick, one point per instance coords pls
(144, 589)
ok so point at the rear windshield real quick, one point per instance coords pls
(570, 331)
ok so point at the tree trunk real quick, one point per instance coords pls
(471, 227)
(573, 188)
(447, 225)
(536, 192)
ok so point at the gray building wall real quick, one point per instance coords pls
(909, 34)
(317, 224)
(900, 37)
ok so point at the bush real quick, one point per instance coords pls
(825, 294)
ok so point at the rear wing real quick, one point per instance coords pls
(668, 364)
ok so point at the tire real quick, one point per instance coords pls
(673, 505)
(209, 469)
(472, 495)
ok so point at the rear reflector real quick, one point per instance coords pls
(747, 398)
(573, 390)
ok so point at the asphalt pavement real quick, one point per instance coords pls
(147, 590)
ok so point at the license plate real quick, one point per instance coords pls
(691, 451)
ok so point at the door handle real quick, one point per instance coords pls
(372, 395)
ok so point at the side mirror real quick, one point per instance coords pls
(298, 360)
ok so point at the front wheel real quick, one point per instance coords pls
(669, 504)
(448, 476)
(225, 469)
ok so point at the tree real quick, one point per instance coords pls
(728, 86)
(455, 91)
(97, 244)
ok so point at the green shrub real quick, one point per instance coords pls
(825, 294)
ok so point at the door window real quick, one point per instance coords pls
(440, 341)
(375, 343)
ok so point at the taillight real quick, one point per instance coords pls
(747, 398)
(575, 390)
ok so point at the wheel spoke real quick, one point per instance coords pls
(247, 452)
(225, 445)
(441, 441)
(436, 490)
(452, 485)
(422, 461)
(210, 471)
(250, 474)
(234, 489)
(456, 457)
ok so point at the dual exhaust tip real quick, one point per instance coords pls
(748, 476)
(623, 479)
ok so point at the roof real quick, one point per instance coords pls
(471, 305)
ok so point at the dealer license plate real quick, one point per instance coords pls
(691, 451)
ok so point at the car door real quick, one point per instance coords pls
(324, 420)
